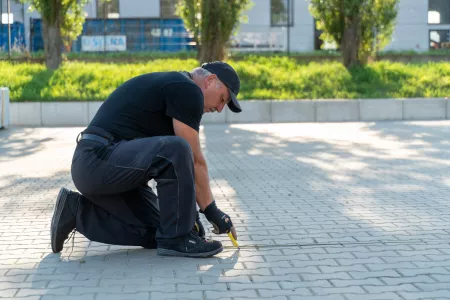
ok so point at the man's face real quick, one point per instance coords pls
(215, 94)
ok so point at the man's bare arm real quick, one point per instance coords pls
(203, 190)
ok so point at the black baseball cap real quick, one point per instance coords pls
(230, 78)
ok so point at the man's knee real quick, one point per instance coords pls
(179, 147)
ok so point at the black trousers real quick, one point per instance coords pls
(117, 206)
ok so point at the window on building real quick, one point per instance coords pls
(439, 11)
(168, 8)
(108, 9)
(439, 39)
(282, 11)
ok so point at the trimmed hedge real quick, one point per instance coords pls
(261, 78)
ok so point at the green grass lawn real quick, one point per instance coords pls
(261, 78)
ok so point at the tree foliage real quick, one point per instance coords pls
(72, 25)
(359, 27)
(212, 24)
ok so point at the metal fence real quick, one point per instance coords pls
(18, 42)
(136, 34)
(249, 41)
(130, 34)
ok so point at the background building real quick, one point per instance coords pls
(272, 25)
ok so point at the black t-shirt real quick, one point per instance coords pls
(144, 106)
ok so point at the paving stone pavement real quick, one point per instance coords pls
(323, 211)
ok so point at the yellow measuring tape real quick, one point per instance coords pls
(233, 240)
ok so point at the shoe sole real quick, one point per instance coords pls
(167, 252)
(59, 205)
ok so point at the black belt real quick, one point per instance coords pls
(93, 137)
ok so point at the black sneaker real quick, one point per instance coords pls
(63, 221)
(190, 245)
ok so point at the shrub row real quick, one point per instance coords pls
(261, 78)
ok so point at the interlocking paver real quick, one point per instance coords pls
(234, 294)
(338, 290)
(38, 291)
(353, 282)
(391, 288)
(131, 296)
(13, 278)
(328, 297)
(129, 288)
(305, 284)
(23, 298)
(302, 270)
(294, 292)
(77, 297)
(201, 287)
(320, 262)
(435, 271)
(265, 285)
(428, 287)
(350, 268)
(377, 296)
(323, 211)
(389, 266)
(412, 279)
(8, 292)
(444, 294)
(226, 279)
(364, 275)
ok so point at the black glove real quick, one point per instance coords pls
(220, 220)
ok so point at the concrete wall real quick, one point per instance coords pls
(139, 8)
(259, 14)
(91, 9)
(15, 8)
(301, 33)
(127, 9)
(81, 113)
(412, 17)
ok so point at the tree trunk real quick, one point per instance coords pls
(199, 47)
(52, 44)
(350, 43)
(212, 45)
(213, 50)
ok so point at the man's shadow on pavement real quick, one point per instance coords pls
(136, 269)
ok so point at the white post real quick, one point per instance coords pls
(4, 107)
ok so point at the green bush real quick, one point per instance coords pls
(261, 78)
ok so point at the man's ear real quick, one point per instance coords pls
(210, 79)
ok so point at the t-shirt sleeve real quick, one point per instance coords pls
(184, 102)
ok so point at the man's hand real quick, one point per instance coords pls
(220, 220)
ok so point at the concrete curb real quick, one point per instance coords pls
(4, 108)
(254, 111)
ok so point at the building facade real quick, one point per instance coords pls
(281, 25)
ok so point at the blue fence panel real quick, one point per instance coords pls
(36, 40)
(168, 35)
(17, 36)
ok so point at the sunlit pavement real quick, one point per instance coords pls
(323, 211)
